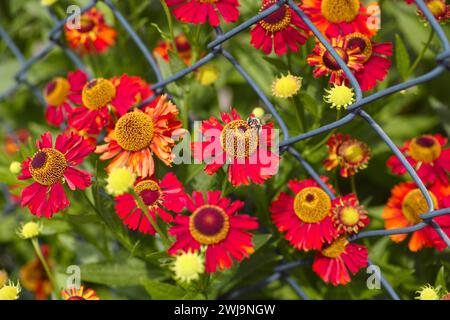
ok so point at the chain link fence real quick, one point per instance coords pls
(215, 47)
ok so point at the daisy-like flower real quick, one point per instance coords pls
(34, 278)
(214, 224)
(350, 154)
(60, 93)
(404, 208)
(183, 49)
(158, 196)
(339, 16)
(335, 262)
(10, 291)
(286, 86)
(98, 97)
(306, 216)
(188, 266)
(79, 294)
(325, 64)
(50, 167)
(139, 134)
(202, 11)
(339, 96)
(234, 141)
(375, 62)
(427, 155)
(281, 30)
(93, 34)
(349, 216)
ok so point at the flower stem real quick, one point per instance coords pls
(353, 185)
(37, 249)
(422, 53)
(153, 222)
(169, 22)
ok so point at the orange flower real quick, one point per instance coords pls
(404, 208)
(79, 294)
(93, 34)
(140, 134)
(183, 49)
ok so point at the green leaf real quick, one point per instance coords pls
(163, 291)
(260, 240)
(440, 280)
(130, 272)
(401, 57)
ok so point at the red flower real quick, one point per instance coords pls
(348, 215)
(340, 16)
(350, 154)
(97, 96)
(325, 64)
(404, 208)
(216, 225)
(427, 156)
(439, 9)
(281, 30)
(93, 35)
(306, 217)
(49, 168)
(376, 65)
(200, 11)
(334, 262)
(245, 147)
(158, 196)
(60, 93)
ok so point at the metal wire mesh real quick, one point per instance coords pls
(216, 49)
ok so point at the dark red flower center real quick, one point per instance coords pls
(426, 142)
(86, 25)
(209, 224)
(48, 166)
(330, 62)
(361, 44)
(425, 149)
(278, 20)
(149, 192)
(76, 298)
(56, 91)
(50, 87)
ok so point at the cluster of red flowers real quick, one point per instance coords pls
(431, 160)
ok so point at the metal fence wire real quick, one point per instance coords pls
(280, 273)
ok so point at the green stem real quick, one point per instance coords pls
(37, 249)
(300, 114)
(169, 22)
(422, 53)
(324, 140)
(353, 185)
(153, 222)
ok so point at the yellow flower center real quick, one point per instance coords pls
(312, 204)
(352, 152)
(425, 149)
(30, 230)
(119, 181)
(209, 224)
(337, 11)
(56, 91)
(188, 266)
(428, 293)
(336, 248)
(286, 86)
(414, 204)
(349, 216)
(134, 131)
(340, 96)
(239, 139)
(149, 191)
(10, 292)
(437, 7)
(98, 93)
(48, 166)
(279, 20)
(362, 44)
